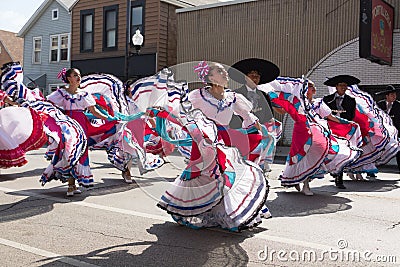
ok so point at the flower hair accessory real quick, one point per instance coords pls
(202, 70)
(62, 75)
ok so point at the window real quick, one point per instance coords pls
(54, 14)
(87, 34)
(54, 49)
(137, 15)
(64, 48)
(53, 87)
(37, 50)
(110, 27)
(59, 48)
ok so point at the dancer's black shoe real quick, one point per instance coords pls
(339, 181)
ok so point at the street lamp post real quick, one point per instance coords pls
(128, 35)
(137, 41)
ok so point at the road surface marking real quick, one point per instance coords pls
(262, 236)
(45, 253)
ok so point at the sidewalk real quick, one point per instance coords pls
(282, 152)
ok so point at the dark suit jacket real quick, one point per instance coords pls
(348, 104)
(394, 112)
(263, 111)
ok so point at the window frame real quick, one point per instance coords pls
(52, 14)
(105, 10)
(59, 48)
(40, 51)
(83, 14)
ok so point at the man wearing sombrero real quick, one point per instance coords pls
(392, 107)
(251, 72)
(342, 105)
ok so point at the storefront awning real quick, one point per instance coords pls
(37, 82)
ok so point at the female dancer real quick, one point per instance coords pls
(74, 101)
(313, 148)
(218, 187)
(66, 136)
(380, 142)
(114, 98)
(219, 105)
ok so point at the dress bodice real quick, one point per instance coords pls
(67, 101)
(221, 111)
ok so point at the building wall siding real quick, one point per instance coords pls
(152, 26)
(163, 36)
(172, 36)
(158, 37)
(45, 27)
(98, 6)
(303, 37)
(294, 34)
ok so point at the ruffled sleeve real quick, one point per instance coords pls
(322, 109)
(243, 108)
(195, 98)
(88, 99)
(56, 98)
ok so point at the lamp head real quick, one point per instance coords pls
(137, 38)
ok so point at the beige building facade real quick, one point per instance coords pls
(315, 38)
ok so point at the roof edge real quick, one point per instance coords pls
(219, 4)
(37, 14)
(8, 51)
(178, 3)
(72, 6)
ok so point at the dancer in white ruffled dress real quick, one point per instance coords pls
(218, 187)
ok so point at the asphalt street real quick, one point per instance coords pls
(119, 224)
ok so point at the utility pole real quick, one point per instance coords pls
(128, 37)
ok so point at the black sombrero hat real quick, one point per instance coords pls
(389, 89)
(267, 70)
(348, 79)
